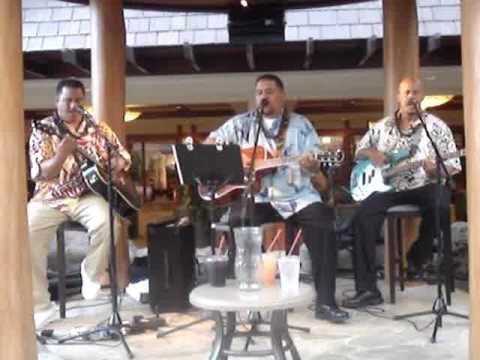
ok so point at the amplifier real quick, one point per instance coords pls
(170, 266)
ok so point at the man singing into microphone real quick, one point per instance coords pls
(61, 192)
(402, 133)
(288, 191)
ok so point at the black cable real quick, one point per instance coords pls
(87, 306)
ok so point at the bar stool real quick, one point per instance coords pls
(68, 225)
(395, 245)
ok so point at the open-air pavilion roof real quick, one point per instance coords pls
(220, 5)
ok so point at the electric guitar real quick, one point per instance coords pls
(263, 165)
(366, 178)
(125, 199)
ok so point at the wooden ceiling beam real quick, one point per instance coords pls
(33, 74)
(132, 60)
(434, 44)
(189, 55)
(371, 47)
(250, 56)
(309, 51)
(70, 57)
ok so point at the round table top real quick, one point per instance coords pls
(231, 298)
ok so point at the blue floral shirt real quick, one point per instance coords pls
(289, 188)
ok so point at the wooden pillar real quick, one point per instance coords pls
(108, 85)
(471, 109)
(17, 334)
(400, 47)
(400, 57)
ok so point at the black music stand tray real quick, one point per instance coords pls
(210, 166)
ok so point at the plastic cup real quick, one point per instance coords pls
(289, 267)
(269, 268)
(216, 266)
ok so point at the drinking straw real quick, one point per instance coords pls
(295, 241)
(220, 246)
(275, 238)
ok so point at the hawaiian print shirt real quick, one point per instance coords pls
(69, 186)
(289, 188)
(386, 137)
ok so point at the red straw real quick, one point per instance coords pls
(220, 246)
(295, 241)
(275, 238)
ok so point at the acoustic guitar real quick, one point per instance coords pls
(125, 198)
(264, 164)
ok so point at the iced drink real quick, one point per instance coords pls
(216, 266)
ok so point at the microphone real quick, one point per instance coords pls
(261, 106)
(414, 101)
(86, 115)
(79, 109)
(418, 108)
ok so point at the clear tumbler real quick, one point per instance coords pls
(248, 257)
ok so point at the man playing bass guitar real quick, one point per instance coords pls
(401, 133)
(288, 191)
(61, 192)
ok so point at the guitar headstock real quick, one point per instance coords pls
(331, 158)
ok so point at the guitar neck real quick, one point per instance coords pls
(416, 164)
(324, 158)
(273, 163)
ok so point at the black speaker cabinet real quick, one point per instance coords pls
(257, 24)
(170, 266)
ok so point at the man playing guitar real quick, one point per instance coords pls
(288, 191)
(61, 192)
(402, 132)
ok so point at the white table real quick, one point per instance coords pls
(230, 299)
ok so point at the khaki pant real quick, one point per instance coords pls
(92, 212)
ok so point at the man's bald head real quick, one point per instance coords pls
(410, 94)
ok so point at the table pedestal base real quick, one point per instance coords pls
(225, 331)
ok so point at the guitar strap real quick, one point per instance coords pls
(64, 130)
(282, 131)
(412, 135)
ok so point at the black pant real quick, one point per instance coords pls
(316, 220)
(371, 215)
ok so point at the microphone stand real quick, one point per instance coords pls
(439, 308)
(113, 329)
(248, 196)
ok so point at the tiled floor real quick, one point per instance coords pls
(368, 335)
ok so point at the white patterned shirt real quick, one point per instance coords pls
(386, 137)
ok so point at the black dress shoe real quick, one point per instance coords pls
(414, 274)
(331, 313)
(362, 299)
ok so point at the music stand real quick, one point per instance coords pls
(210, 167)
